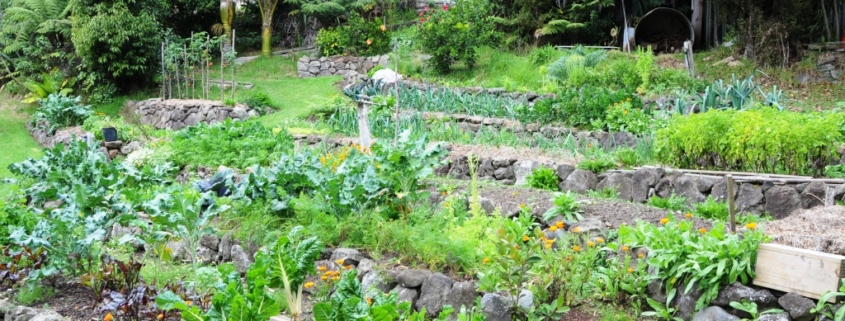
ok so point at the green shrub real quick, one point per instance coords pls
(575, 65)
(623, 117)
(454, 34)
(645, 68)
(543, 178)
(673, 203)
(628, 157)
(543, 55)
(259, 101)
(358, 36)
(596, 165)
(60, 111)
(585, 108)
(835, 171)
(759, 140)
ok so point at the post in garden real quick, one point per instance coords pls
(365, 138)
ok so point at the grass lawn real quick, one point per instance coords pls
(17, 144)
(276, 76)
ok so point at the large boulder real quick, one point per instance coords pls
(749, 199)
(619, 182)
(782, 201)
(347, 256)
(387, 76)
(496, 307)
(687, 187)
(737, 292)
(783, 316)
(434, 294)
(644, 179)
(407, 294)
(564, 170)
(714, 313)
(463, 294)
(579, 181)
(814, 194)
(798, 306)
(719, 192)
(412, 278)
(382, 281)
(522, 169)
(240, 258)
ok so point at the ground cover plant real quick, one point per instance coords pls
(233, 144)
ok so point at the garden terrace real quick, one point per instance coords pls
(176, 114)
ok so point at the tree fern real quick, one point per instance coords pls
(25, 17)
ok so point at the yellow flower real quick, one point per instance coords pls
(277, 130)
(348, 267)
(552, 228)
(339, 262)
(591, 244)
(600, 240)
(664, 220)
(577, 229)
(625, 248)
(446, 204)
(525, 238)
(560, 224)
(321, 268)
(369, 42)
(702, 230)
(624, 112)
(336, 278)
(383, 28)
(369, 301)
(521, 205)
(640, 255)
(188, 302)
(688, 215)
(160, 316)
(308, 285)
(751, 225)
(324, 277)
(108, 317)
(630, 270)
(485, 260)
(548, 245)
(576, 248)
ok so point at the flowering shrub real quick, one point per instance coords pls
(453, 34)
(622, 116)
(362, 37)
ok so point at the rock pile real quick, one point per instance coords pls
(176, 114)
(308, 66)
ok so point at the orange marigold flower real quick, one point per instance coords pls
(560, 225)
(688, 215)
(339, 262)
(664, 220)
(576, 229)
(576, 248)
(348, 267)
(552, 228)
(525, 238)
(321, 268)
(336, 278)
(702, 230)
(751, 225)
(369, 42)
(108, 317)
(640, 255)
(485, 260)
(324, 278)
(308, 285)
(625, 248)
(600, 240)
(591, 244)
(369, 301)
(160, 316)
(188, 302)
(383, 28)
(630, 270)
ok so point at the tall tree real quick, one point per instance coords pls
(267, 8)
(227, 15)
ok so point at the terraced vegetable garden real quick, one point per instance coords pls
(604, 200)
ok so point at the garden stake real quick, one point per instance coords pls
(233, 65)
(222, 81)
(731, 205)
(163, 76)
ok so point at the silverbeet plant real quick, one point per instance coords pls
(289, 261)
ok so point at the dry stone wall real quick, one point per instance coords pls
(41, 133)
(176, 114)
(338, 65)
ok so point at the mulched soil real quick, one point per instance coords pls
(70, 299)
(820, 228)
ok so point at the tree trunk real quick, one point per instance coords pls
(266, 33)
(697, 16)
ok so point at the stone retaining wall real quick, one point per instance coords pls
(40, 132)
(777, 199)
(308, 66)
(176, 114)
